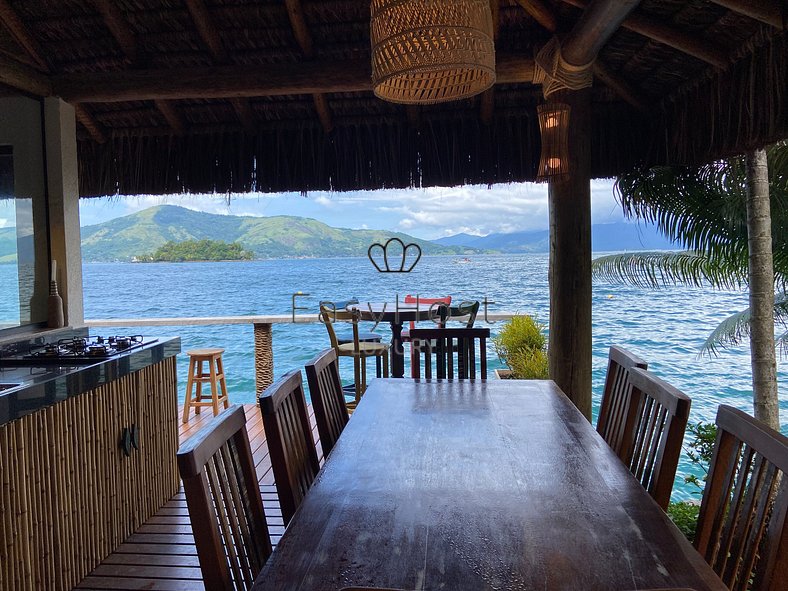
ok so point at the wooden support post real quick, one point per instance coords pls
(263, 356)
(63, 188)
(570, 260)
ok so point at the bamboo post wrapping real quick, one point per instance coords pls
(263, 356)
(68, 494)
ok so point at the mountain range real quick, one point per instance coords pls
(619, 236)
(141, 233)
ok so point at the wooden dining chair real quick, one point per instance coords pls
(442, 344)
(289, 435)
(742, 528)
(656, 419)
(328, 399)
(615, 397)
(359, 351)
(225, 506)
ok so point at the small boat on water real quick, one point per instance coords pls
(463, 261)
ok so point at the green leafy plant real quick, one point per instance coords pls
(521, 345)
(700, 451)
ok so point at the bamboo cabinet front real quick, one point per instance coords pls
(79, 477)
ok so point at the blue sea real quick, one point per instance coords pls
(666, 326)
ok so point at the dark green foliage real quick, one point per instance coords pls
(700, 451)
(685, 515)
(199, 250)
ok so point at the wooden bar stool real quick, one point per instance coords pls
(214, 376)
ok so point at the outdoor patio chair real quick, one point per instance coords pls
(347, 336)
(289, 435)
(443, 344)
(656, 419)
(742, 529)
(225, 506)
(328, 399)
(358, 350)
(615, 397)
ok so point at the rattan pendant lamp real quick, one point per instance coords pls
(431, 51)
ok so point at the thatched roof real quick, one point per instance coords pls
(238, 95)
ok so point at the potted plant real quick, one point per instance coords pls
(521, 346)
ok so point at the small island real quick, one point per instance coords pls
(197, 251)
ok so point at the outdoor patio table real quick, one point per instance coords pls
(396, 315)
(473, 485)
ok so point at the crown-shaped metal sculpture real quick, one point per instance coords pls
(384, 249)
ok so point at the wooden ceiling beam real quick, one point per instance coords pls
(24, 78)
(315, 77)
(668, 35)
(127, 40)
(22, 34)
(770, 12)
(94, 128)
(541, 13)
(599, 21)
(245, 114)
(295, 13)
(323, 112)
(487, 101)
(207, 30)
(171, 114)
(619, 86)
(210, 36)
(116, 23)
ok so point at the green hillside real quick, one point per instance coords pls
(142, 233)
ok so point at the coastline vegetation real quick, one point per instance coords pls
(198, 251)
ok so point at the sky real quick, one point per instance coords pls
(425, 213)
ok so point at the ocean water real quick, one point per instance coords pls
(666, 326)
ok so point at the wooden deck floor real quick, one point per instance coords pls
(161, 555)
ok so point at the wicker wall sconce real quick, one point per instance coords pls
(554, 128)
(431, 51)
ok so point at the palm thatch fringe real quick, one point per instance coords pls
(740, 108)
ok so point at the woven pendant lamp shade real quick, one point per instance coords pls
(431, 51)
(554, 129)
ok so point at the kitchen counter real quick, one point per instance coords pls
(45, 385)
(87, 454)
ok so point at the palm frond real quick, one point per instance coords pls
(704, 209)
(736, 328)
(658, 269)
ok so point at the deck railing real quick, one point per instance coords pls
(263, 333)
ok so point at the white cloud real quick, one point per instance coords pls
(426, 213)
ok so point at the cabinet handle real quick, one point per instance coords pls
(125, 441)
(135, 437)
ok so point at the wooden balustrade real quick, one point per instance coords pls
(263, 333)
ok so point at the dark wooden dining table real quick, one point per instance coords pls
(396, 314)
(476, 485)
(471, 485)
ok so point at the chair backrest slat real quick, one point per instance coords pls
(225, 506)
(441, 344)
(615, 398)
(656, 419)
(742, 528)
(289, 435)
(328, 399)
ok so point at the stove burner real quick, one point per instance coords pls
(80, 349)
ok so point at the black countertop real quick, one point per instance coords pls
(41, 386)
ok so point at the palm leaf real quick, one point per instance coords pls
(735, 328)
(658, 269)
